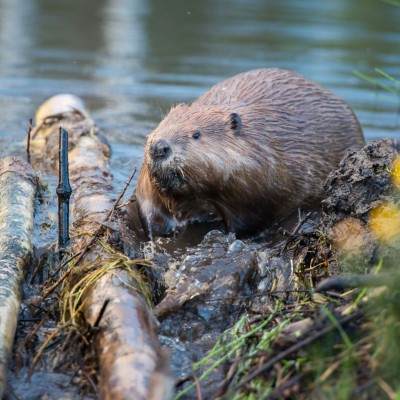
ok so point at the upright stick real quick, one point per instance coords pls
(63, 190)
(28, 142)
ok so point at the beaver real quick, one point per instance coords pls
(253, 148)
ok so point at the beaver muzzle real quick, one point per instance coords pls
(160, 150)
(165, 169)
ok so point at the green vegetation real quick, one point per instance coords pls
(382, 80)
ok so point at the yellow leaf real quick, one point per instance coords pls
(385, 222)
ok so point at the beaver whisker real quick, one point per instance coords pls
(180, 170)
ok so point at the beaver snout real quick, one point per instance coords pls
(160, 150)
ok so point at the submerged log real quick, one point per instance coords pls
(130, 357)
(17, 194)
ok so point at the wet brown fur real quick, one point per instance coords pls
(291, 134)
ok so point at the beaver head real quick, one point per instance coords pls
(189, 147)
(193, 159)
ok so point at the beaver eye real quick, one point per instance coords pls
(196, 135)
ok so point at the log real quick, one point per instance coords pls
(131, 361)
(17, 194)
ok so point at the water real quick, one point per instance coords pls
(131, 60)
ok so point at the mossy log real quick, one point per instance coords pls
(17, 194)
(130, 357)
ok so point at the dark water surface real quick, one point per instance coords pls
(131, 60)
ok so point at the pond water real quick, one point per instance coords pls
(130, 60)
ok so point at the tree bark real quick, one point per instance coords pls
(17, 195)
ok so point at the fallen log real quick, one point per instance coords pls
(131, 362)
(17, 194)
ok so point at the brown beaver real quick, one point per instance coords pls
(253, 148)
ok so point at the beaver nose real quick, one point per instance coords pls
(160, 150)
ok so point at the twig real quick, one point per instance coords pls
(51, 289)
(126, 203)
(28, 142)
(196, 381)
(301, 222)
(41, 349)
(390, 392)
(223, 386)
(111, 212)
(295, 231)
(89, 378)
(36, 270)
(292, 349)
(62, 266)
(101, 313)
(30, 336)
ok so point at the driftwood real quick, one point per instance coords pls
(132, 363)
(17, 193)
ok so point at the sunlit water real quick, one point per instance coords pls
(131, 60)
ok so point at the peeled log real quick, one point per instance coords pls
(130, 356)
(17, 194)
(130, 351)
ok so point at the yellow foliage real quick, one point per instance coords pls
(385, 221)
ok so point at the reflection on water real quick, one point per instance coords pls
(131, 60)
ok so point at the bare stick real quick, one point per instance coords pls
(127, 183)
(63, 191)
(43, 347)
(28, 142)
(29, 337)
(101, 313)
(61, 267)
(302, 221)
(196, 381)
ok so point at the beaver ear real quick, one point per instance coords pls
(235, 122)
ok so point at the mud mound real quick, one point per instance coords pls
(362, 180)
(361, 214)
